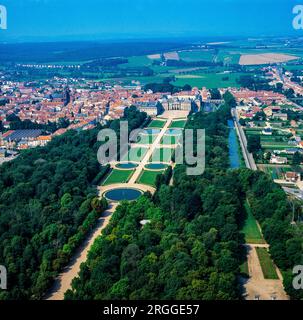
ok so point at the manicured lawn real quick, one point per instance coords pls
(147, 139)
(250, 229)
(178, 124)
(118, 176)
(268, 268)
(170, 140)
(148, 177)
(157, 124)
(135, 154)
(162, 155)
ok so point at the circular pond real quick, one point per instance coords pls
(123, 194)
(174, 132)
(127, 165)
(156, 166)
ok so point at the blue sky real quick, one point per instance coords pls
(58, 19)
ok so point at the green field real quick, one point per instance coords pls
(157, 124)
(135, 154)
(162, 155)
(118, 176)
(250, 229)
(170, 140)
(209, 80)
(244, 269)
(197, 55)
(178, 124)
(149, 177)
(147, 139)
(268, 268)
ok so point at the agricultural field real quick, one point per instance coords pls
(266, 58)
(118, 176)
(157, 124)
(197, 55)
(209, 80)
(162, 155)
(250, 229)
(268, 268)
(148, 177)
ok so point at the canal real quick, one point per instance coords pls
(234, 156)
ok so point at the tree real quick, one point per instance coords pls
(297, 158)
(253, 143)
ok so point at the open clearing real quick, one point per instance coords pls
(268, 268)
(154, 56)
(172, 56)
(251, 230)
(118, 176)
(265, 58)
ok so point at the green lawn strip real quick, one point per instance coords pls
(170, 140)
(178, 124)
(147, 139)
(157, 124)
(149, 177)
(244, 269)
(268, 267)
(135, 154)
(162, 155)
(118, 176)
(250, 229)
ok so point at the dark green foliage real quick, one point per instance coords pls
(48, 205)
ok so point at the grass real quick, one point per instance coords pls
(147, 139)
(162, 155)
(118, 176)
(250, 229)
(149, 177)
(197, 55)
(268, 268)
(157, 124)
(135, 154)
(178, 124)
(244, 269)
(209, 80)
(170, 140)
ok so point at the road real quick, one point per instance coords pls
(248, 157)
(64, 280)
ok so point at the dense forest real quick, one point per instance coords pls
(48, 203)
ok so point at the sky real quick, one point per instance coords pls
(118, 19)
